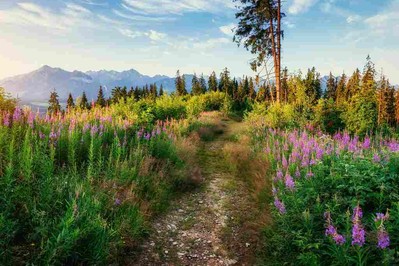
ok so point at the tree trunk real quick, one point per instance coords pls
(278, 53)
(274, 53)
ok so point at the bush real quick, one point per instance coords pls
(328, 116)
(170, 107)
(275, 115)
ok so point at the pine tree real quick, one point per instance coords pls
(84, 103)
(284, 86)
(261, 96)
(124, 93)
(353, 86)
(386, 102)
(341, 90)
(153, 91)
(391, 105)
(161, 92)
(70, 102)
(54, 104)
(196, 86)
(116, 94)
(259, 30)
(251, 90)
(180, 84)
(202, 82)
(313, 86)
(241, 92)
(331, 92)
(213, 82)
(100, 98)
(136, 93)
(368, 80)
(225, 82)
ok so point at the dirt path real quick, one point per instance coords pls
(208, 226)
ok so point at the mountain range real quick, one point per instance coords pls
(37, 85)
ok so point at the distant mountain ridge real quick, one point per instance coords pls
(37, 85)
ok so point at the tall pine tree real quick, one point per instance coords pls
(161, 92)
(331, 92)
(54, 104)
(180, 84)
(84, 103)
(202, 82)
(195, 85)
(341, 90)
(70, 102)
(100, 98)
(213, 82)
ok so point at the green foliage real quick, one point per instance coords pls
(328, 116)
(54, 104)
(361, 114)
(7, 103)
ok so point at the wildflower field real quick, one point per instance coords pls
(79, 187)
(335, 197)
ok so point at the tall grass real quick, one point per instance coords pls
(76, 188)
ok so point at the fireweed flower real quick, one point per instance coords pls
(279, 206)
(382, 234)
(6, 120)
(383, 239)
(289, 182)
(310, 174)
(279, 175)
(358, 232)
(297, 173)
(381, 217)
(284, 162)
(366, 143)
(332, 231)
(117, 202)
(17, 114)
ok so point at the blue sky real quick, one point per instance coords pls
(161, 36)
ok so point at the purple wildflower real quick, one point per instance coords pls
(279, 175)
(280, 206)
(366, 143)
(376, 158)
(297, 173)
(310, 174)
(289, 182)
(381, 217)
(383, 239)
(117, 202)
(358, 232)
(332, 231)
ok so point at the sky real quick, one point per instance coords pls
(162, 36)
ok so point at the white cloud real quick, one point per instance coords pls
(353, 18)
(177, 7)
(141, 18)
(28, 14)
(155, 36)
(130, 33)
(228, 29)
(301, 6)
(151, 34)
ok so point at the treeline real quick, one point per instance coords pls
(360, 102)
(240, 91)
